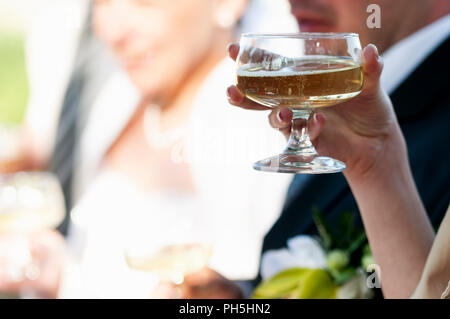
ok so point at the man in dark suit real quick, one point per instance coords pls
(414, 41)
(417, 53)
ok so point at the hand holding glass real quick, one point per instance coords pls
(301, 72)
(31, 253)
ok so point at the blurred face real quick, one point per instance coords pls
(351, 16)
(156, 41)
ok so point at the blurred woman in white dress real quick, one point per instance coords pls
(151, 162)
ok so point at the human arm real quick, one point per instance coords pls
(364, 133)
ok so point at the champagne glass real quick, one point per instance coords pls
(31, 204)
(171, 245)
(302, 72)
(30, 201)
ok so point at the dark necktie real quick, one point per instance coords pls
(62, 160)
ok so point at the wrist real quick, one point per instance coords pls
(391, 158)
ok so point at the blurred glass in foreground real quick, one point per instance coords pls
(31, 253)
(183, 250)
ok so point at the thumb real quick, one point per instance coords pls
(373, 65)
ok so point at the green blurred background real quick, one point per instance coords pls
(14, 89)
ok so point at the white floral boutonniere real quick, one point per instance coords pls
(328, 267)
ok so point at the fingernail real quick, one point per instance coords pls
(374, 48)
(229, 46)
(279, 116)
(367, 53)
(315, 117)
(234, 95)
(284, 115)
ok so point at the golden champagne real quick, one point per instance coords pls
(172, 262)
(304, 84)
(30, 201)
(28, 219)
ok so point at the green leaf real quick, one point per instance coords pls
(316, 284)
(322, 229)
(345, 229)
(298, 283)
(281, 284)
(357, 242)
(344, 275)
(367, 250)
(367, 260)
(338, 259)
(346, 222)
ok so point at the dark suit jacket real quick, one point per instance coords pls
(422, 105)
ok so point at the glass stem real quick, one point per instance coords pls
(299, 142)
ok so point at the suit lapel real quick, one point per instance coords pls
(421, 91)
(320, 192)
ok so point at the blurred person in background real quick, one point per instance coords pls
(415, 49)
(149, 150)
(67, 68)
(56, 40)
(74, 133)
(31, 253)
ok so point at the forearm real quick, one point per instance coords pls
(397, 226)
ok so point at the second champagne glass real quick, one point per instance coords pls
(169, 245)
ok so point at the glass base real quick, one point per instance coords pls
(299, 165)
